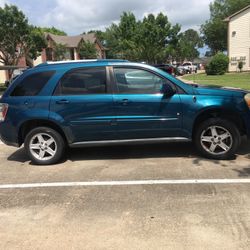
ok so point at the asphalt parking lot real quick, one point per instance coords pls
(93, 206)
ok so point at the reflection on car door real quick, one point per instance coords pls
(141, 109)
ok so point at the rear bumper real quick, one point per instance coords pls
(8, 134)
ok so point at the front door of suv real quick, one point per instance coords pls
(142, 110)
(83, 104)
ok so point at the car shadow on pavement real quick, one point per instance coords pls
(159, 150)
(162, 150)
(19, 156)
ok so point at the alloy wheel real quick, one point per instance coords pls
(43, 146)
(216, 140)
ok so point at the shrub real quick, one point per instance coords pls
(218, 65)
(240, 65)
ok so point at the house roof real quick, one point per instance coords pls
(236, 13)
(73, 41)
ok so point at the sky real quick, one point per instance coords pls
(77, 16)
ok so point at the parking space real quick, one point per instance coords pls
(120, 203)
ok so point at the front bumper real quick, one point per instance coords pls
(247, 124)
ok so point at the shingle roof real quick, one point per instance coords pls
(236, 13)
(72, 41)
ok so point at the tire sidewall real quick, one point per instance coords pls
(58, 139)
(228, 125)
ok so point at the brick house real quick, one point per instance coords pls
(72, 44)
(4, 75)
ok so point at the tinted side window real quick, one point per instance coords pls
(32, 84)
(82, 81)
(137, 81)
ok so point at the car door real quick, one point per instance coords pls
(83, 104)
(142, 110)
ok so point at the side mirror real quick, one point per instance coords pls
(167, 90)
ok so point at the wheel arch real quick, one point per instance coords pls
(34, 123)
(226, 114)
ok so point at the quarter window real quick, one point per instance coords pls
(32, 84)
(82, 82)
(137, 81)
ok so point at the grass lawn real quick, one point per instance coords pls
(237, 80)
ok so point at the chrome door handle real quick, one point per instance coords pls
(62, 102)
(124, 102)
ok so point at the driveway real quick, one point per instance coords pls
(160, 196)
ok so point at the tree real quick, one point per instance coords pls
(17, 37)
(153, 40)
(35, 43)
(87, 50)
(189, 43)
(214, 30)
(60, 51)
(172, 43)
(138, 40)
(153, 35)
(183, 45)
(54, 31)
(122, 39)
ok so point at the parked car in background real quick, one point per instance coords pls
(170, 69)
(188, 68)
(58, 105)
(166, 67)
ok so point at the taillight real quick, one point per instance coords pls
(3, 111)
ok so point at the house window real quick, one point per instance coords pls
(49, 54)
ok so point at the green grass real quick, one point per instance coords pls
(237, 80)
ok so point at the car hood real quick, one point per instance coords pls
(219, 91)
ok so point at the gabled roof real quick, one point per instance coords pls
(236, 13)
(73, 41)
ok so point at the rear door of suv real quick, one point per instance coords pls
(83, 104)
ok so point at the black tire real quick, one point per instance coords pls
(58, 145)
(233, 141)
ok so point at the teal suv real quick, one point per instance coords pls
(104, 102)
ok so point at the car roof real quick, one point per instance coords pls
(79, 62)
(67, 65)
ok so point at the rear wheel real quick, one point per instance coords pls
(44, 146)
(217, 138)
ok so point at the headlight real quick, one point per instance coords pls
(247, 99)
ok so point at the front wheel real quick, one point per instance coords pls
(217, 138)
(44, 146)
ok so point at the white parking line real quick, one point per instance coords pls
(125, 183)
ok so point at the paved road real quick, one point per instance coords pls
(163, 216)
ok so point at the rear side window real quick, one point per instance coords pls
(83, 81)
(32, 84)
